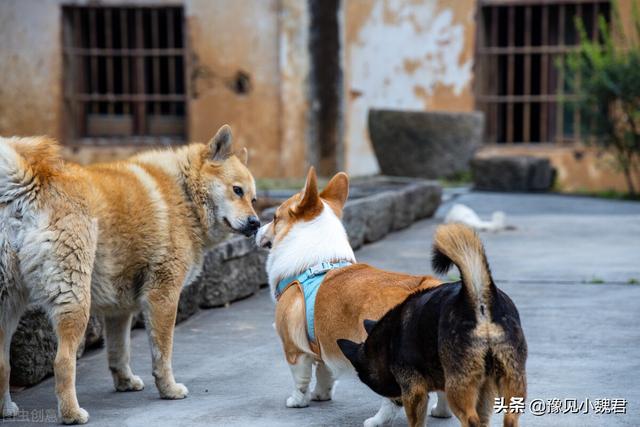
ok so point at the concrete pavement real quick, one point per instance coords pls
(566, 266)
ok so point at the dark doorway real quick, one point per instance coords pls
(325, 86)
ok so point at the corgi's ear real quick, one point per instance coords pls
(220, 145)
(368, 325)
(337, 191)
(244, 156)
(310, 199)
(351, 350)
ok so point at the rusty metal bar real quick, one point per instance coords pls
(80, 82)
(526, 111)
(109, 44)
(134, 97)
(510, 73)
(124, 61)
(493, 74)
(508, 50)
(140, 117)
(560, 87)
(155, 42)
(126, 52)
(544, 76)
(169, 15)
(94, 59)
(576, 111)
(536, 2)
(526, 98)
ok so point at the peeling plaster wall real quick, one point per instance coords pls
(404, 54)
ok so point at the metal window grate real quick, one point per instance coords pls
(124, 75)
(518, 83)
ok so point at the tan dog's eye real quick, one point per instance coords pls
(238, 190)
(253, 201)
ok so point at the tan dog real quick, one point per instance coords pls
(306, 231)
(113, 239)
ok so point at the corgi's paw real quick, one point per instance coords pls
(441, 409)
(298, 400)
(9, 410)
(321, 395)
(376, 422)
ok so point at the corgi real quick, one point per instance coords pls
(463, 338)
(112, 239)
(322, 294)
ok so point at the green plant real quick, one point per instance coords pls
(606, 78)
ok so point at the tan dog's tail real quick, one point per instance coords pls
(460, 245)
(26, 164)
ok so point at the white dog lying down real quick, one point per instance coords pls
(465, 215)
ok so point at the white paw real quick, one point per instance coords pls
(298, 400)
(321, 395)
(79, 416)
(441, 411)
(134, 383)
(375, 422)
(175, 392)
(9, 410)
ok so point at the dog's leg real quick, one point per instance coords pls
(118, 334)
(301, 372)
(513, 384)
(70, 321)
(385, 415)
(324, 383)
(160, 315)
(486, 399)
(441, 408)
(415, 399)
(9, 322)
(463, 398)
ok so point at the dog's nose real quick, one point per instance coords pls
(253, 223)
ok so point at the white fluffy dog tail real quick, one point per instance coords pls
(26, 164)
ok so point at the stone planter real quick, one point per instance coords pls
(425, 144)
(512, 173)
(235, 269)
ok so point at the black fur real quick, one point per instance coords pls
(431, 329)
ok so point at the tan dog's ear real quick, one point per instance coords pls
(244, 156)
(337, 191)
(220, 144)
(310, 197)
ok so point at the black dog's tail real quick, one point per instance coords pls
(460, 245)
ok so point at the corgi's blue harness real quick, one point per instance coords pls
(309, 283)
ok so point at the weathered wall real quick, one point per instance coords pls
(403, 54)
(30, 66)
(228, 38)
(294, 101)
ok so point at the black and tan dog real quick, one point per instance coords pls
(464, 338)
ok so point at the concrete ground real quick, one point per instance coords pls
(567, 266)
